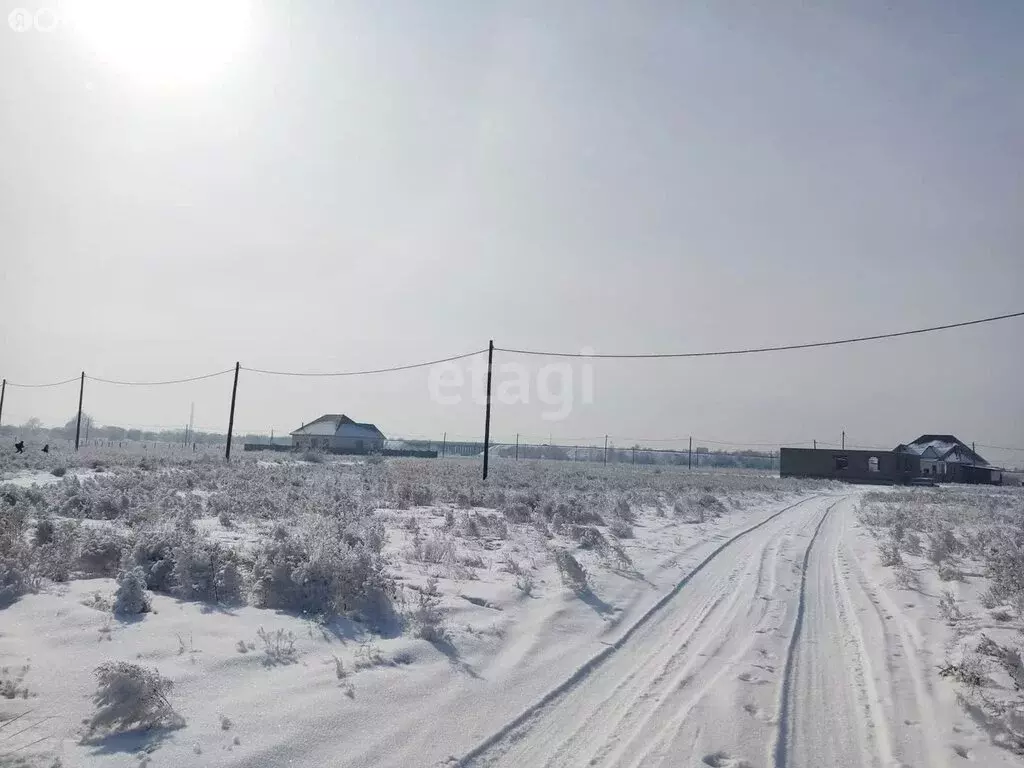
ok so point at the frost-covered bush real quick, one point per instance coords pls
(588, 537)
(621, 529)
(889, 553)
(153, 551)
(316, 568)
(572, 573)
(129, 696)
(55, 558)
(205, 570)
(15, 552)
(426, 619)
(432, 549)
(100, 551)
(131, 598)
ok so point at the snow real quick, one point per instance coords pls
(771, 635)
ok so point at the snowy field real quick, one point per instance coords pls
(177, 611)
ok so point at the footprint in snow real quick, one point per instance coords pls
(964, 752)
(721, 759)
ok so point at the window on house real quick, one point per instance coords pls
(873, 464)
(926, 470)
(842, 462)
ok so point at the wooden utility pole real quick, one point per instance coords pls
(606, 449)
(444, 444)
(844, 439)
(78, 424)
(3, 391)
(487, 411)
(815, 445)
(689, 457)
(231, 417)
(517, 446)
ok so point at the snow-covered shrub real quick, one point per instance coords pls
(45, 530)
(100, 551)
(623, 510)
(130, 696)
(889, 553)
(588, 537)
(279, 646)
(153, 551)
(131, 597)
(948, 608)
(15, 553)
(574, 511)
(55, 558)
(316, 568)
(432, 549)
(525, 583)
(949, 572)
(620, 529)
(204, 570)
(517, 512)
(426, 619)
(572, 573)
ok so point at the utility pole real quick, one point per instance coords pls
(689, 457)
(517, 446)
(3, 391)
(606, 449)
(444, 444)
(231, 417)
(815, 445)
(78, 424)
(487, 412)
(844, 439)
(634, 454)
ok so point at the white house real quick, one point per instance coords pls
(337, 432)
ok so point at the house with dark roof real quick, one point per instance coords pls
(947, 459)
(942, 458)
(337, 433)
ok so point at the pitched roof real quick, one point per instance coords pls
(331, 424)
(943, 447)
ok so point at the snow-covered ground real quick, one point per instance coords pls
(715, 620)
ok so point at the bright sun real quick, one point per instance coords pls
(164, 41)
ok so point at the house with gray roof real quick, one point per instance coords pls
(948, 459)
(337, 433)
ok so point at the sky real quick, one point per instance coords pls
(336, 186)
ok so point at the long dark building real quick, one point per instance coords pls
(942, 458)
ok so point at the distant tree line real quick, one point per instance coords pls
(33, 429)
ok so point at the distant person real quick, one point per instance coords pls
(19, 446)
(46, 448)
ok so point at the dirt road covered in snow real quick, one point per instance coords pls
(779, 649)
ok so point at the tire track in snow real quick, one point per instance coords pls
(781, 751)
(758, 616)
(671, 733)
(516, 728)
(923, 706)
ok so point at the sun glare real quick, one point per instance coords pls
(164, 41)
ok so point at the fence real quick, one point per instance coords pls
(486, 448)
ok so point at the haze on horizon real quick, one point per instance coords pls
(363, 185)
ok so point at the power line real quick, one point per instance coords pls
(999, 447)
(40, 386)
(159, 383)
(365, 373)
(781, 348)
